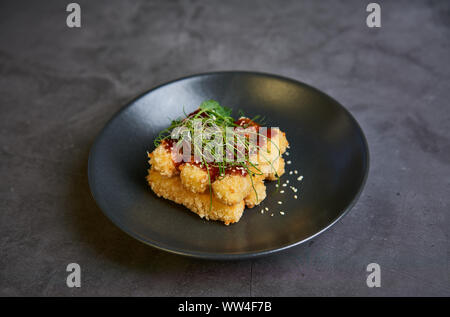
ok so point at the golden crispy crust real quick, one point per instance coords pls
(189, 184)
(194, 178)
(269, 160)
(272, 170)
(251, 200)
(161, 161)
(232, 188)
(283, 142)
(171, 188)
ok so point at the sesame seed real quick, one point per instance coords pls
(279, 203)
(284, 185)
(288, 162)
(295, 196)
(262, 211)
(282, 213)
(296, 172)
(287, 153)
(287, 182)
(300, 178)
(276, 185)
(281, 191)
(271, 215)
(267, 209)
(290, 173)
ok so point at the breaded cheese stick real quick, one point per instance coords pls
(232, 188)
(271, 171)
(172, 189)
(161, 160)
(255, 197)
(194, 178)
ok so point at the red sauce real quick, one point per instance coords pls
(203, 115)
(168, 145)
(246, 122)
(269, 133)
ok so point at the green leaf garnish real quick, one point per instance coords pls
(214, 106)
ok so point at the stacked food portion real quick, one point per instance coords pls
(215, 165)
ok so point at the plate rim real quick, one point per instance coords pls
(230, 255)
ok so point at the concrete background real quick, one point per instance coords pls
(59, 86)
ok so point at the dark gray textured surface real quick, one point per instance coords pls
(59, 86)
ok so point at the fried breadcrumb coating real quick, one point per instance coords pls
(252, 200)
(172, 189)
(161, 161)
(232, 188)
(194, 178)
(274, 170)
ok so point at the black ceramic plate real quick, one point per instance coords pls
(327, 147)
